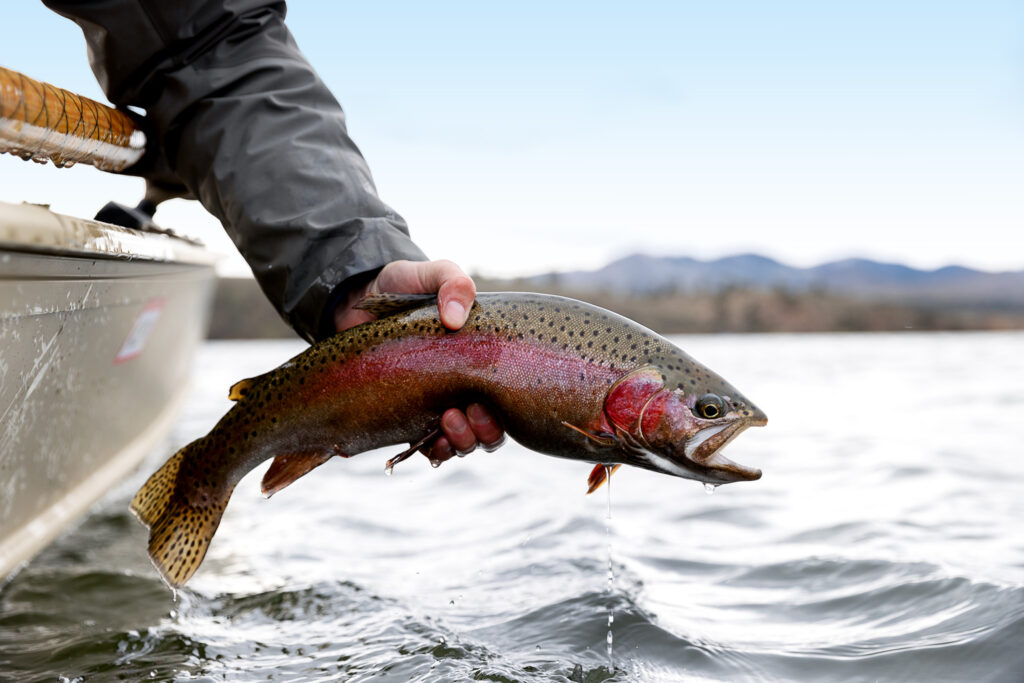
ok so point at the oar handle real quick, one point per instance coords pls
(41, 122)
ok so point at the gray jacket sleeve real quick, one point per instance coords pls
(238, 117)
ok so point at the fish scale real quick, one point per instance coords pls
(566, 378)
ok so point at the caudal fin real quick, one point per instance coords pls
(182, 513)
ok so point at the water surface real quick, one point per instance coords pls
(883, 543)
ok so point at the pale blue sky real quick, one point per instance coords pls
(534, 135)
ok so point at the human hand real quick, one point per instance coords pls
(463, 431)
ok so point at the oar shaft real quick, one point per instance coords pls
(41, 122)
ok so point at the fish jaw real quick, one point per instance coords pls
(678, 443)
(705, 451)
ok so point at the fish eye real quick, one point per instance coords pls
(710, 406)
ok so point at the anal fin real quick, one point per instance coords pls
(287, 468)
(599, 475)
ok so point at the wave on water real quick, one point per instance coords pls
(869, 551)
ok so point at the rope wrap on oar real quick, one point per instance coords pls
(43, 123)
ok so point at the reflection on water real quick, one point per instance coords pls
(883, 542)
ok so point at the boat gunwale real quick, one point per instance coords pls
(34, 229)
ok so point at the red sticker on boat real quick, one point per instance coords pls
(141, 329)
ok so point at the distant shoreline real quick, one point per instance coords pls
(240, 311)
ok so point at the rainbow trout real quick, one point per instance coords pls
(566, 378)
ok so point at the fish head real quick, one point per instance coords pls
(680, 417)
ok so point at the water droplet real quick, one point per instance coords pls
(451, 602)
(389, 470)
(709, 488)
(435, 463)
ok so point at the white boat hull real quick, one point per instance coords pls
(98, 326)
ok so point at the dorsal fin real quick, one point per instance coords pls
(389, 304)
(242, 387)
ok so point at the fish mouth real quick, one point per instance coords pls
(703, 459)
(705, 451)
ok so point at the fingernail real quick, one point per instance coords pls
(454, 422)
(491, 447)
(455, 312)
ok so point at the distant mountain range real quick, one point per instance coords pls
(640, 274)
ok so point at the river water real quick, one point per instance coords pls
(885, 542)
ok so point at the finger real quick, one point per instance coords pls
(455, 291)
(440, 451)
(456, 428)
(485, 426)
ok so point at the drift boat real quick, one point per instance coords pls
(98, 326)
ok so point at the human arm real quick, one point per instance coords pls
(238, 118)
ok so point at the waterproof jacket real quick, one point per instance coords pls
(238, 118)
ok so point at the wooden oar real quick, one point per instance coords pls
(41, 122)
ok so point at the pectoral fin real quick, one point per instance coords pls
(601, 438)
(287, 468)
(599, 475)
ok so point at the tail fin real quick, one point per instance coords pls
(182, 513)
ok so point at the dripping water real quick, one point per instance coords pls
(611, 571)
